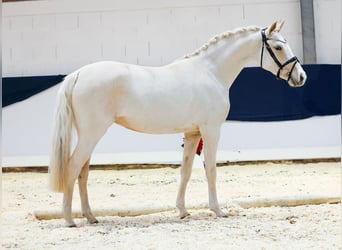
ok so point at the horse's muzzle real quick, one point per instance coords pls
(300, 82)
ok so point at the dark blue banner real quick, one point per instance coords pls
(256, 95)
(16, 89)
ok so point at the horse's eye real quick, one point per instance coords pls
(278, 48)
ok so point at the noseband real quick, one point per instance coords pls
(275, 59)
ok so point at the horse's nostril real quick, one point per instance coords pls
(302, 77)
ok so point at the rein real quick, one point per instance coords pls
(275, 59)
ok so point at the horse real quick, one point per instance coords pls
(189, 95)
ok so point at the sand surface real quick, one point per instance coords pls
(301, 227)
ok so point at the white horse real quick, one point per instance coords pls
(188, 96)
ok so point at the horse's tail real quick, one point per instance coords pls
(61, 139)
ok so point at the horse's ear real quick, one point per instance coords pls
(280, 25)
(272, 28)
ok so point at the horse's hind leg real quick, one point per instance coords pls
(191, 141)
(78, 159)
(82, 184)
(87, 141)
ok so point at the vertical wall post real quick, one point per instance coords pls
(308, 30)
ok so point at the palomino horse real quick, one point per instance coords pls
(188, 96)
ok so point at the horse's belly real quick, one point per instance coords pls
(161, 116)
(155, 126)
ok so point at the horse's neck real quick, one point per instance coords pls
(231, 55)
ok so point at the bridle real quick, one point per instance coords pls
(275, 59)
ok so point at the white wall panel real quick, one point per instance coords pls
(149, 32)
(328, 30)
(59, 36)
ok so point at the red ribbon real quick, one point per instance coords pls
(199, 147)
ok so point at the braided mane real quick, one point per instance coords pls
(220, 37)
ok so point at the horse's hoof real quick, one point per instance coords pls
(71, 225)
(219, 213)
(91, 219)
(184, 215)
(95, 221)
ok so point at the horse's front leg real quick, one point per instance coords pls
(191, 141)
(210, 143)
(82, 184)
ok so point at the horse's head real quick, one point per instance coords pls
(277, 56)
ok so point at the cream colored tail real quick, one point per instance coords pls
(61, 140)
